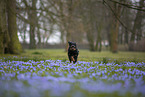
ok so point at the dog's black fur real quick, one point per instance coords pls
(73, 52)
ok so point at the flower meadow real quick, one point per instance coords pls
(55, 78)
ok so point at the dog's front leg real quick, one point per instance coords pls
(72, 58)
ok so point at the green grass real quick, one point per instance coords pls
(84, 55)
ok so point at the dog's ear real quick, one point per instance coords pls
(70, 43)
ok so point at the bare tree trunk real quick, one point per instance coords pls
(69, 23)
(24, 34)
(126, 36)
(62, 21)
(33, 23)
(4, 38)
(127, 21)
(115, 36)
(91, 40)
(98, 42)
(1, 27)
(39, 37)
(90, 25)
(14, 45)
(137, 23)
(115, 29)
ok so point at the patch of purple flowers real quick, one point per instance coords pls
(57, 78)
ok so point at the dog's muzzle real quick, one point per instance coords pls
(73, 48)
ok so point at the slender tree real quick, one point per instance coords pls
(99, 39)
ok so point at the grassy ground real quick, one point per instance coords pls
(84, 55)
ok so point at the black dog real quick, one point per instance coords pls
(73, 52)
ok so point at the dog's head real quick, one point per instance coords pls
(72, 46)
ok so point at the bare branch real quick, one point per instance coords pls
(130, 5)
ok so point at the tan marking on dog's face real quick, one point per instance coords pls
(73, 48)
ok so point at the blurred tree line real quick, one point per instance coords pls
(81, 21)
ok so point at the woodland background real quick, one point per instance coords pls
(94, 24)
